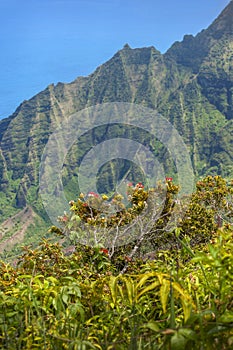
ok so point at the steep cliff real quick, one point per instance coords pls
(191, 85)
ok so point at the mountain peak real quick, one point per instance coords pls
(223, 24)
(126, 47)
(227, 12)
(191, 51)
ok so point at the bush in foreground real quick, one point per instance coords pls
(92, 299)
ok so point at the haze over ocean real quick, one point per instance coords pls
(47, 41)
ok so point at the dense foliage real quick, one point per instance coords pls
(79, 298)
(191, 85)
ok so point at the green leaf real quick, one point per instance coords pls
(153, 326)
(187, 308)
(149, 288)
(144, 278)
(164, 294)
(227, 317)
(180, 339)
(113, 288)
(130, 289)
(178, 342)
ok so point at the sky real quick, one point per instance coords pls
(51, 41)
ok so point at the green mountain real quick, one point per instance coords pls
(191, 85)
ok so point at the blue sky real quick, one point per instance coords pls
(47, 41)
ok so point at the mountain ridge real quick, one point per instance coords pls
(191, 85)
(202, 42)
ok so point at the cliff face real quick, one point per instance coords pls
(209, 56)
(191, 85)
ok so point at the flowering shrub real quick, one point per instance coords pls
(112, 222)
(143, 224)
(100, 210)
(181, 298)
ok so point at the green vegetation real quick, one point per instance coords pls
(154, 273)
(190, 85)
(84, 297)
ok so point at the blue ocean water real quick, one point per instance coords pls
(22, 78)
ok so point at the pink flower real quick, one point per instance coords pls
(104, 250)
(93, 194)
(130, 184)
(169, 178)
(139, 185)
